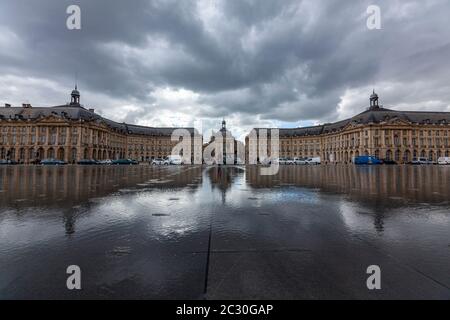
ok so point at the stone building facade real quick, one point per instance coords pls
(225, 148)
(385, 133)
(72, 132)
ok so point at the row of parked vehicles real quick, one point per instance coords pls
(292, 161)
(416, 161)
(177, 160)
(56, 162)
(171, 160)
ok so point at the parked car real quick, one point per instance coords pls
(289, 161)
(270, 160)
(125, 162)
(315, 160)
(5, 162)
(367, 160)
(386, 161)
(87, 162)
(444, 160)
(107, 162)
(173, 160)
(265, 161)
(421, 160)
(157, 162)
(53, 162)
(280, 160)
(300, 161)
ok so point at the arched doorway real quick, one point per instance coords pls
(31, 155)
(85, 154)
(407, 156)
(50, 153)
(389, 155)
(40, 154)
(73, 155)
(397, 155)
(11, 154)
(21, 155)
(61, 154)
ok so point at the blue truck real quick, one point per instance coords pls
(367, 160)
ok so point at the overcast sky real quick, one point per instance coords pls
(254, 62)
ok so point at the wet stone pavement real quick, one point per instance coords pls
(194, 232)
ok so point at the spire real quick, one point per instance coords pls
(224, 125)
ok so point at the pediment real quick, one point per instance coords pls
(51, 119)
(398, 121)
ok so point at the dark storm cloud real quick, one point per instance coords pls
(283, 60)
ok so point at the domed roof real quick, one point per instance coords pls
(373, 95)
(75, 92)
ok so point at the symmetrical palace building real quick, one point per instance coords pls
(385, 133)
(71, 132)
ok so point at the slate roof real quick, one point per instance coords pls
(372, 115)
(76, 112)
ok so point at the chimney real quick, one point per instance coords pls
(26, 105)
(92, 110)
(7, 105)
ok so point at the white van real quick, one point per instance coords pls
(315, 160)
(444, 160)
(174, 160)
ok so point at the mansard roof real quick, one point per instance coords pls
(77, 112)
(374, 115)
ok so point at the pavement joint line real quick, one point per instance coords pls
(205, 289)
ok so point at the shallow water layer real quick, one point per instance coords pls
(194, 232)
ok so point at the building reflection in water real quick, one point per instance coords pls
(364, 183)
(47, 185)
(66, 188)
(223, 178)
(379, 188)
